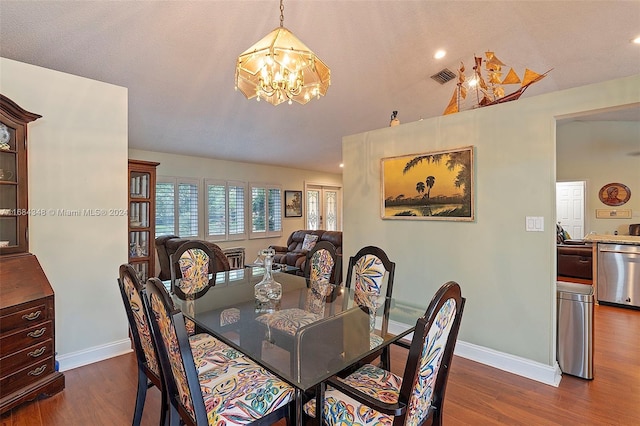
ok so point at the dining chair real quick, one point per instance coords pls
(322, 262)
(194, 260)
(373, 395)
(237, 391)
(149, 373)
(206, 350)
(197, 274)
(369, 271)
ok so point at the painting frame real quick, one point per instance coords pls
(443, 180)
(292, 203)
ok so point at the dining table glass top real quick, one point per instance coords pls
(318, 330)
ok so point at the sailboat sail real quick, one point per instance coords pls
(511, 78)
(531, 77)
(458, 94)
(490, 91)
(452, 108)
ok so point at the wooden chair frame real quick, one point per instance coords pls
(384, 354)
(175, 258)
(178, 414)
(323, 245)
(450, 290)
(146, 377)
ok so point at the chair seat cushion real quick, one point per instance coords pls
(242, 392)
(341, 409)
(288, 321)
(210, 353)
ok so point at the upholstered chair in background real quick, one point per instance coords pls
(322, 262)
(371, 275)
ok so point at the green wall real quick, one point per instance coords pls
(506, 274)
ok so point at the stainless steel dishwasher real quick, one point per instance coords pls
(619, 274)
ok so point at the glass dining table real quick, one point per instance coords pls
(316, 332)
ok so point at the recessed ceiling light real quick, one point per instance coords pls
(440, 54)
(341, 165)
(636, 40)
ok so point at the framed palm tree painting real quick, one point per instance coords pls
(429, 186)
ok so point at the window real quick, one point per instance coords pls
(177, 207)
(225, 212)
(165, 210)
(266, 211)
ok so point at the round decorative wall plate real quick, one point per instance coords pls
(614, 194)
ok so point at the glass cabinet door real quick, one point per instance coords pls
(142, 217)
(14, 212)
(8, 187)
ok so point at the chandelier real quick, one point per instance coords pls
(281, 68)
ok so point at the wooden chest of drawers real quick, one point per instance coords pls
(27, 332)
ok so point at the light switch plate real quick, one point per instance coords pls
(534, 224)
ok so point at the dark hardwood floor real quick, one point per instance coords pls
(104, 393)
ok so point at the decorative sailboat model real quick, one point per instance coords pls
(489, 91)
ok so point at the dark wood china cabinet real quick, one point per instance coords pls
(142, 217)
(27, 309)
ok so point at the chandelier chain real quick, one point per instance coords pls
(281, 14)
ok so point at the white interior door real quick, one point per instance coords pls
(323, 207)
(570, 207)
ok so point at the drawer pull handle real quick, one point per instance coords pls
(32, 316)
(37, 333)
(37, 352)
(38, 371)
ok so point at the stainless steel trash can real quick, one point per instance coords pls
(575, 329)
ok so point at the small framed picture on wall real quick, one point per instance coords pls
(292, 203)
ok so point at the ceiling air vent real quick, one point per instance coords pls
(444, 76)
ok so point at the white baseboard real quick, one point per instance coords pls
(524, 367)
(94, 354)
(503, 361)
(549, 375)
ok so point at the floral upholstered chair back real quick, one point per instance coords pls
(193, 259)
(321, 262)
(433, 350)
(160, 308)
(369, 273)
(141, 329)
(369, 270)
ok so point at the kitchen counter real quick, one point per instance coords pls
(613, 239)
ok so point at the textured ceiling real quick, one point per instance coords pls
(177, 60)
